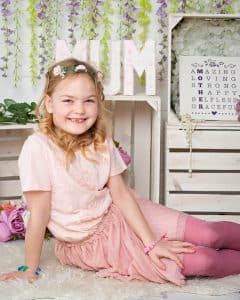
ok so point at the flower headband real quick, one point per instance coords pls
(61, 71)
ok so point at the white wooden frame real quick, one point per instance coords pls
(173, 21)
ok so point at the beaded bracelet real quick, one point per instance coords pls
(24, 268)
(149, 247)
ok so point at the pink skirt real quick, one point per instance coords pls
(114, 250)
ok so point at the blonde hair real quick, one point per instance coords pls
(67, 142)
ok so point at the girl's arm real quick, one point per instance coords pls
(39, 206)
(123, 199)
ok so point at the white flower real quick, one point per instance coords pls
(100, 77)
(80, 68)
(57, 71)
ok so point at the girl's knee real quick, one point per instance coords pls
(201, 263)
(204, 259)
(211, 236)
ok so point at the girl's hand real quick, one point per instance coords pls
(28, 275)
(170, 249)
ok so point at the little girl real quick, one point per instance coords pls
(70, 173)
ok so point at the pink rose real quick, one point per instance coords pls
(125, 157)
(15, 221)
(5, 233)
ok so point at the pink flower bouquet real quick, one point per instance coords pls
(11, 222)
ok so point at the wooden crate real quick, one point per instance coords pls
(213, 189)
(11, 141)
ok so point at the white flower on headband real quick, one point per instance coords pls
(100, 77)
(57, 71)
(80, 68)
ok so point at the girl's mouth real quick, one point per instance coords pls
(77, 120)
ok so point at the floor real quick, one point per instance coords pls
(186, 296)
(162, 296)
(59, 282)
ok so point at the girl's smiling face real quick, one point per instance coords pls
(74, 104)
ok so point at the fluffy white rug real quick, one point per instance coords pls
(66, 283)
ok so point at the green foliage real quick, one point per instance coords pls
(229, 9)
(33, 42)
(20, 113)
(107, 25)
(144, 19)
(17, 51)
(91, 19)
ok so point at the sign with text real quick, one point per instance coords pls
(209, 87)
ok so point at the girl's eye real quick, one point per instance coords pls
(90, 100)
(67, 101)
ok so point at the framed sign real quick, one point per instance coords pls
(209, 87)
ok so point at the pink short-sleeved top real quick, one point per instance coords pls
(79, 195)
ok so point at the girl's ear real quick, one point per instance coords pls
(48, 104)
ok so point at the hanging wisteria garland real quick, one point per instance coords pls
(42, 20)
(190, 6)
(6, 13)
(54, 14)
(106, 37)
(128, 19)
(33, 42)
(74, 6)
(86, 20)
(224, 7)
(47, 20)
(92, 18)
(162, 21)
(182, 5)
(144, 19)
(17, 41)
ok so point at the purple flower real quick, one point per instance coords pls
(40, 16)
(135, 10)
(39, 6)
(5, 233)
(125, 157)
(6, 12)
(161, 13)
(15, 221)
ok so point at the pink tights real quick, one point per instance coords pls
(217, 248)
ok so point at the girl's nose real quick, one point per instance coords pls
(79, 107)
